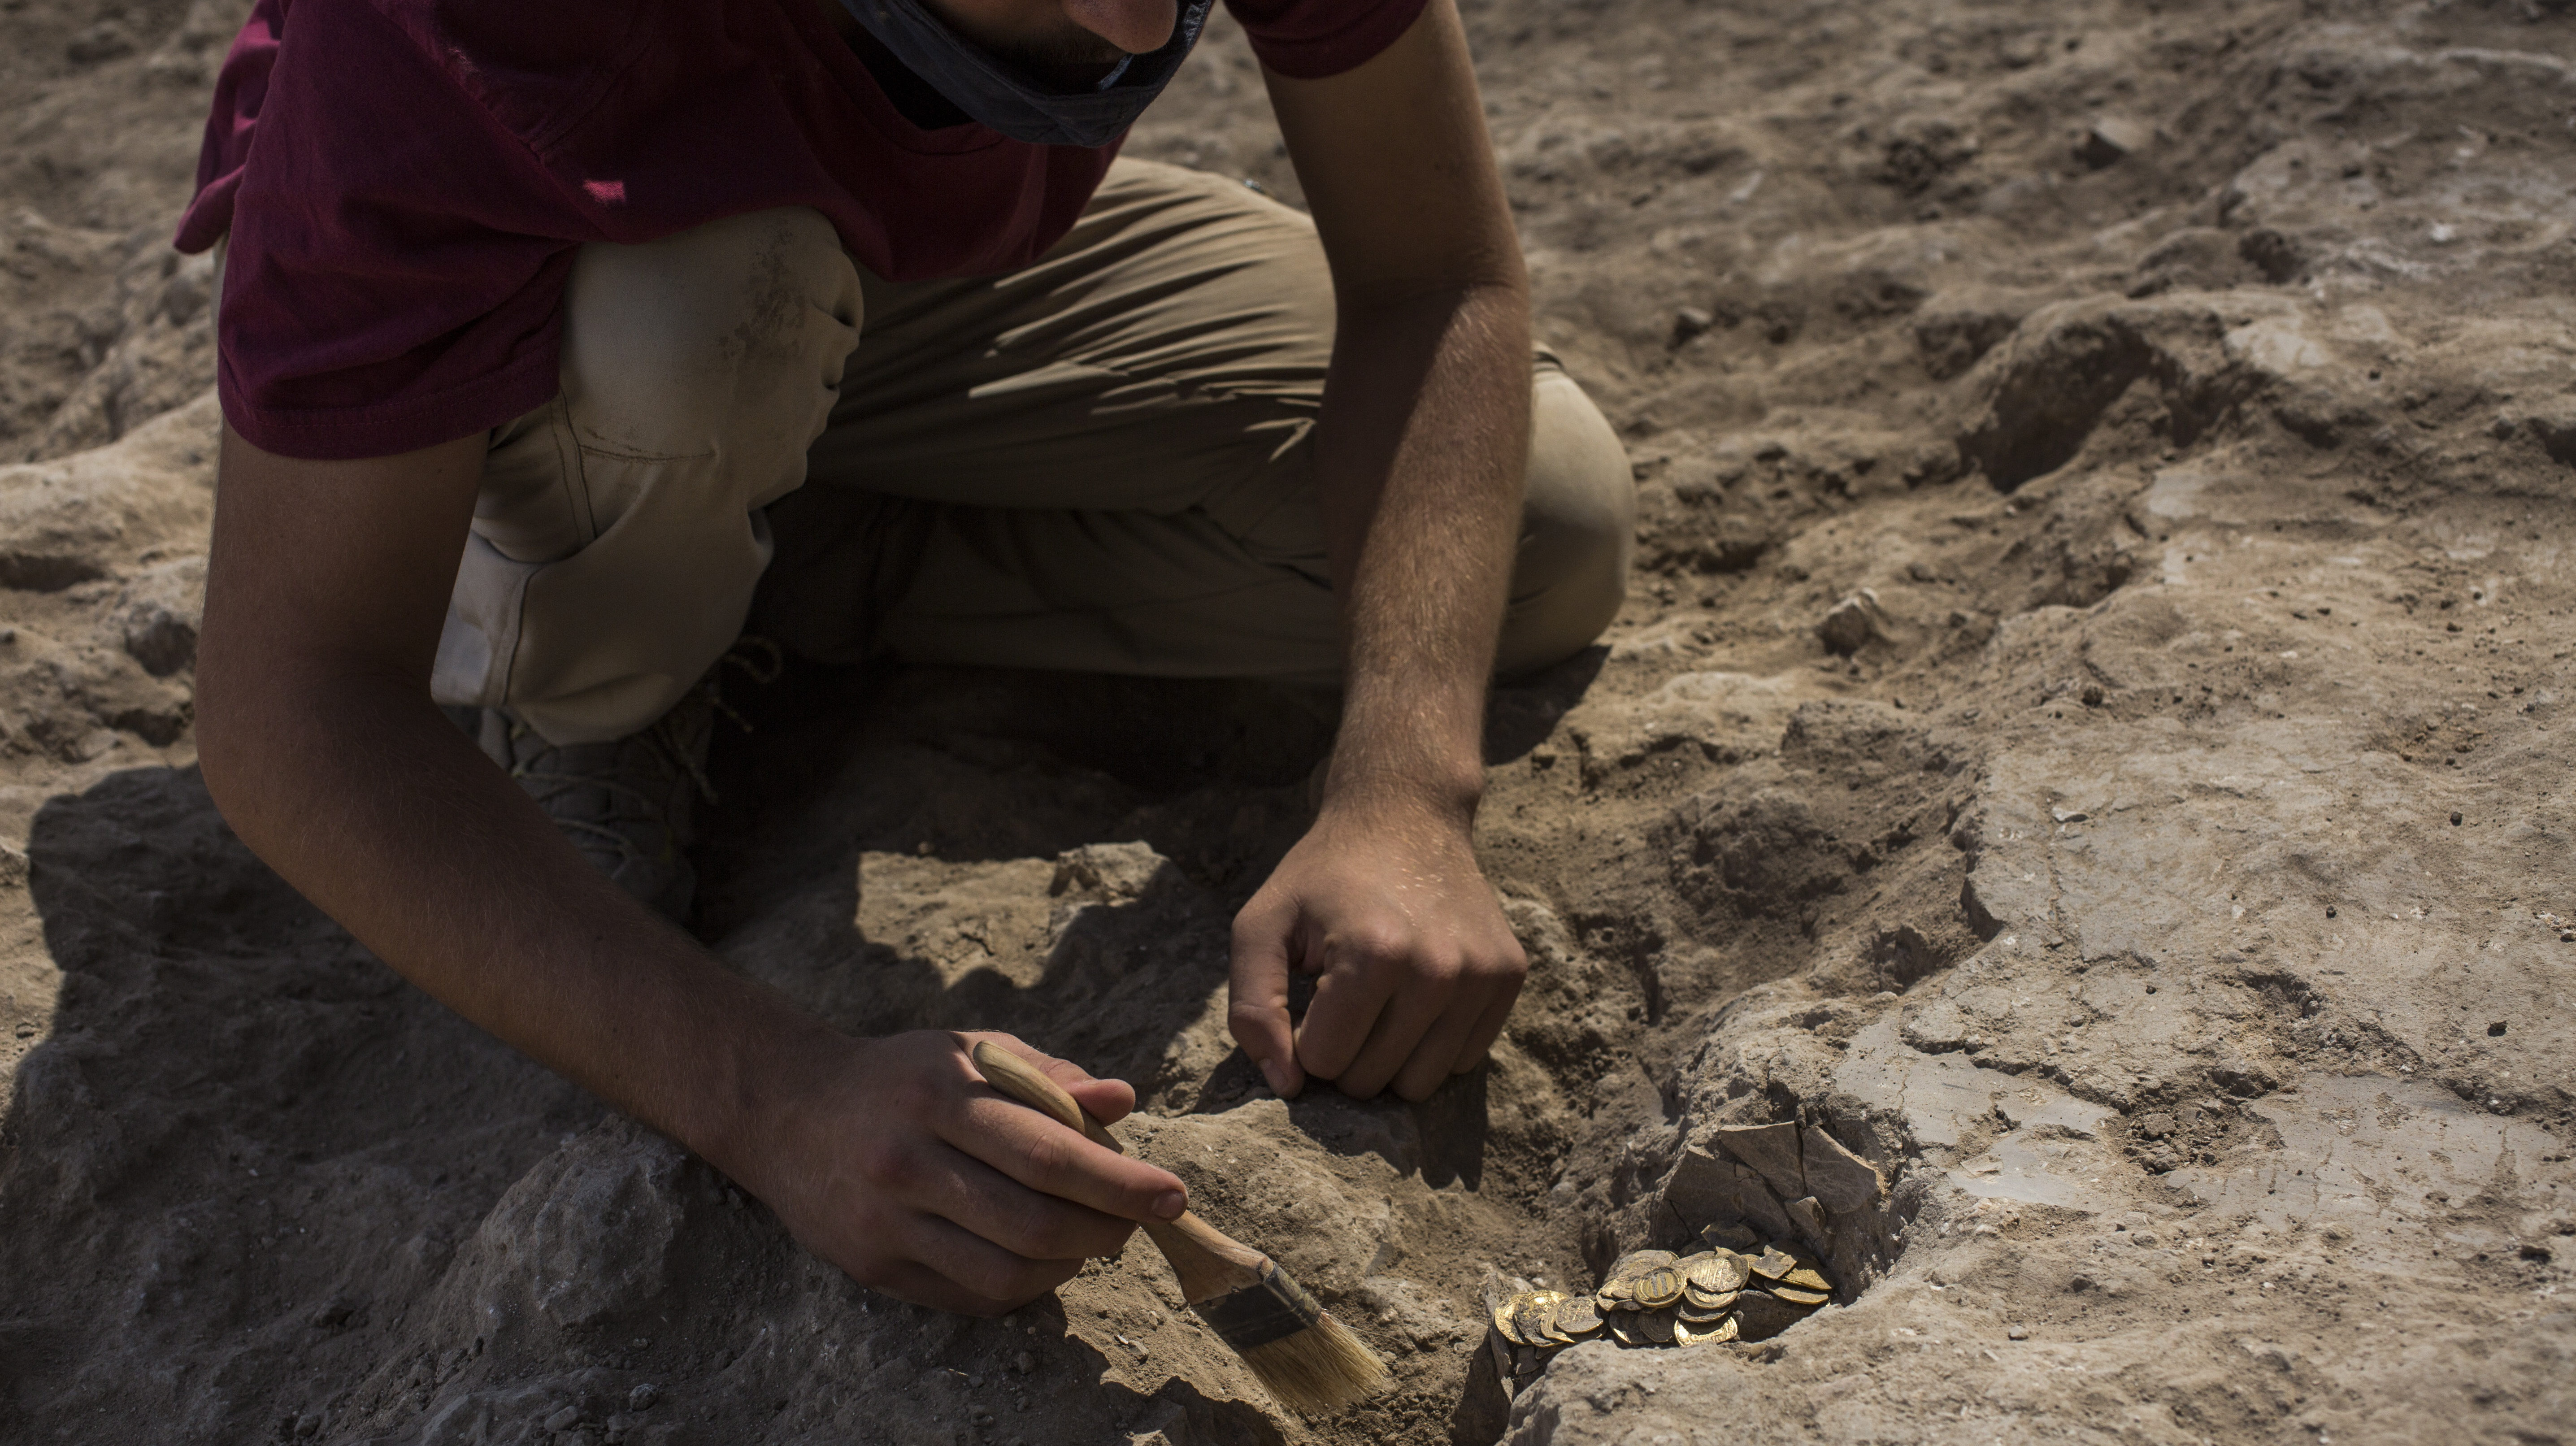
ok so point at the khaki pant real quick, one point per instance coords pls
(1102, 462)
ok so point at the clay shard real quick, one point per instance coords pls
(1773, 1263)
(1810, 1218)
(1772, 1150)
(1713, 1192)
(1840, 1180)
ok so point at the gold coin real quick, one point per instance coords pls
(1772, 1263)
(1795, 1296)
(1638, 1262)
(1623, 1329)
(1718, 1272)
(1719, 1333)
(1701, 1314)
(1503, 1320)
(1656, 1326)
(1807, 1278)
(1708, 1300)
(1659, 1287)
(1531, 1314)
(1578, 1318)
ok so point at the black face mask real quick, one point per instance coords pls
(993, 91)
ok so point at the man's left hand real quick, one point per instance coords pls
(1419, 969)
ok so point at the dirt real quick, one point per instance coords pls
(2087, 736)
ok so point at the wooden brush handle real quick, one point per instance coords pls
(1208, 1263)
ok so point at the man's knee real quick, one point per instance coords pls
(728, 336)
(1578, 530)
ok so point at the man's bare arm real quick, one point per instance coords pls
(1421, 454)
(327, 587)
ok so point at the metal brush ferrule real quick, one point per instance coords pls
(1274, 1309)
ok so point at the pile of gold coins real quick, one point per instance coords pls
(1657, 1298)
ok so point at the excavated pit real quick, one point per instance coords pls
(2072, 822)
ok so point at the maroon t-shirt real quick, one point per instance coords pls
(405, 181)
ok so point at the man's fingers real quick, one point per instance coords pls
(1401, 1028)
(1428, 1067)
(1348, 999)
(922, 1285)
(1027, 1220)
(1489, 1027)
(1034, 1151)
(1106, 1100)
(991, 1278)
(1257, 1013)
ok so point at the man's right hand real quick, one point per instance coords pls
(892, 1159)
(327, 585)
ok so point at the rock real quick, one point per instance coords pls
(105, 40)
(160, 612)
(2017, 1333)
(1853, 623)
(2109, 141)
(584, 1237)
(2155, 1126)
(1689, 322)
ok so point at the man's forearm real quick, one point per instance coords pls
(377, 809)
(1422, 450)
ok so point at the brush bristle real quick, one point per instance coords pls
(1320, 1369)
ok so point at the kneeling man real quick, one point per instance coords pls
(551, 334)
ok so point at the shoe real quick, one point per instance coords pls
(628, 805)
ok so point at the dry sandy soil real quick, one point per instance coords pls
(2090, 733)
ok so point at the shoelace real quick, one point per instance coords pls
(758, 658)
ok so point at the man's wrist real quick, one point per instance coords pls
(1446, 793)
(761, 1057)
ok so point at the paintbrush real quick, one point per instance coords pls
(1309, 1360)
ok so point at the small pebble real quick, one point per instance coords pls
(564, 1419)
(2455, 820)
(2018, 1333)
(643, 1397)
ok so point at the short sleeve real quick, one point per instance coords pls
(397, 259)
(1311, 39)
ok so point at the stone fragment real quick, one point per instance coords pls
(1840, 1180)
(2111, 140)
(1850, 624)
